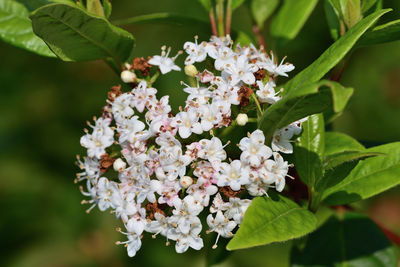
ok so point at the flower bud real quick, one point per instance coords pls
(242, 119)
(190, 70)
(186, 181)
(119, 165)
(128, 76)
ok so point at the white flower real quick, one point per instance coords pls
(185, 213)
(100, 139)
(222, 56)
(233, 175)
(221, 225)
(241, 70)
(134, 231)
(142, 96)
(196, 52)
(165, 63)
(90, 167)
(277, 171)
(274, 69)
(202, 190)
(173, 162)
(159, 226)
(281, 141)
(107, 193)
(131, 130)
(190, 239)
(128, 76)
(119, 165)
(212, 150)
(236, 208)
(266, 93)
(121, 108)
(254, 150)
(185, 121)
(217, 203)
(242, 119)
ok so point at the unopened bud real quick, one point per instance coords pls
(242, 119)
(128, 76)
(191, 71)
(186, 181)
(119, 165)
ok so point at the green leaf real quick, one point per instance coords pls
(262, 9)
(75, 35)
(304, 101)
(352, 12)
(206, 4)
(333, 19)
(291, 17)
(336, 142)
(388, 32)
(243, 39)
(236, 3)
(353, 240)
(332, 161)
(270, 220)
(370, 177)
(95, 7)
(161, 18)
(107, 6)
(366, 5)
(333, 54)
(309, 150)
(16, 28)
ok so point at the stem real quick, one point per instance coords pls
(259, 109)
(228, 18)
(153, 78)
(220, 17)
(253, 120)
(213, 23)
(260, 38)
(113, 65)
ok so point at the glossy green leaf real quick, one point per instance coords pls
(388, 32)
(269, 220)
(304, 101)
(16, 28)
(334, 54)
(291, 17)
(75, 35)
(161, 18)
(262, 9)
(332, 161)
(95, 7)
(353, 240)
(336, 142)
(309, 150)
(370, 177)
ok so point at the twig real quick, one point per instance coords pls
(213, 23)
(260, 38)
(228, 19)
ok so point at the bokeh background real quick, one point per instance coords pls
(44, 106)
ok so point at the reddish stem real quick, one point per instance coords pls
(213, 23)
(393, 237)
(260, 38)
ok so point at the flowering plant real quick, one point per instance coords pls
(245, 157)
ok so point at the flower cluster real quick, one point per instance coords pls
(164, 170)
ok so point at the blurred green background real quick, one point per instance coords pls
(44, 106)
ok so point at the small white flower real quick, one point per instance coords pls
(254, 150)
(242, 119)
(165, 63)
(233, 175)
(190, 239)
(212, 150)
(241, 70)
(221, 225)
(266, 93)
(142, 96)
(185, 121)
(119, 165)
(196, 52)
(274, 69)
(236, 208)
